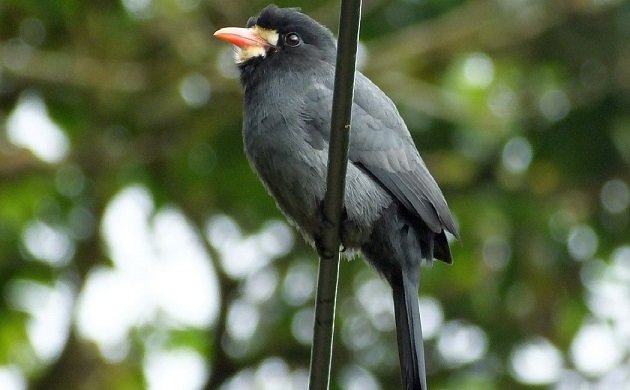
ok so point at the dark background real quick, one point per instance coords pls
(137, 249)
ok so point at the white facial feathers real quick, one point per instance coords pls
(242, 54)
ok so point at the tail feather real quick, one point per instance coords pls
(409, 331)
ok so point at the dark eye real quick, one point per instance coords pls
(292, 40)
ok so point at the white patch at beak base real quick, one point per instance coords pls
(243, 54)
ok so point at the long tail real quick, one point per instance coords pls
(409, 330)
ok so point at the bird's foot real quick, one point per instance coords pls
(325, 223)
(343, 228)
(321, 250)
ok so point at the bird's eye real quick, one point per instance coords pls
(292, 40)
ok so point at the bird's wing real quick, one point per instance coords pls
(381, 145)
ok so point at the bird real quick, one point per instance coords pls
(395, 214)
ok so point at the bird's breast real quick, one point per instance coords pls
(294, 169)
(291, 170)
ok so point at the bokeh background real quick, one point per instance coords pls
(138, 250)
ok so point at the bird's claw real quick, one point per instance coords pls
(324, 224)
(321, 251)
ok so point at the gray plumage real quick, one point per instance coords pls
(395, 214)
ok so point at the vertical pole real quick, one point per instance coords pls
(321, 352)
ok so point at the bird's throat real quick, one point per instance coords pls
(243, 54)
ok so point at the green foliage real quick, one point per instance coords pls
(520, 109)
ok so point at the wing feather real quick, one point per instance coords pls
(381, 145)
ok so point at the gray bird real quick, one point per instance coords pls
(395, 214)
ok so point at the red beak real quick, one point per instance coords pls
(241, 37)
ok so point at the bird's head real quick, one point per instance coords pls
(277, 34)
